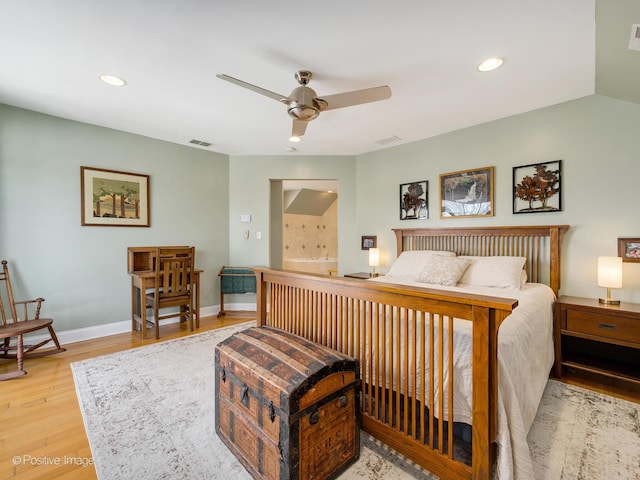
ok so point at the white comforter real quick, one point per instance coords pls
(525, 357)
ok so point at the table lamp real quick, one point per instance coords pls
(609, 276)
(374, 260)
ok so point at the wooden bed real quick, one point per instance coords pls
(391, 329)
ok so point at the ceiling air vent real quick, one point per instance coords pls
(200, 142)
(388, 140)
(634, 42)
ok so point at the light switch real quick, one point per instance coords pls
(258, 235)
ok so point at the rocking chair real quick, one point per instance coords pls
(19, 326)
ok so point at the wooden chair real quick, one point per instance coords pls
(173, 286)
(18, 326)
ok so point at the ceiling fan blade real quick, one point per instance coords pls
(356, 97)
(262, 91)
(299, 127)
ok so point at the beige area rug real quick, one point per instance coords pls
(149, 414)
(580, 434)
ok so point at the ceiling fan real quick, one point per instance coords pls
(303, 105)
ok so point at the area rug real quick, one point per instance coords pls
(149, 414)
(583, 435)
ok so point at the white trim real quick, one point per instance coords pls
(97, 331)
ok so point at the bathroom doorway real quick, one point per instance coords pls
(304, 225)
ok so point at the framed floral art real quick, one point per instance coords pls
(537, 187)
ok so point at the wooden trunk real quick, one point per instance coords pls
(285, 406)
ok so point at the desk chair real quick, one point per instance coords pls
(173, 286)
(19, 326)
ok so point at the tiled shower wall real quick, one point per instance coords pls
(310, 236)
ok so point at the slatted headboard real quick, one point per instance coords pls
(541, 244)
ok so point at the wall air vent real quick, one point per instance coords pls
(634, 42)
(200, 142)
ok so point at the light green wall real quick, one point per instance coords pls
(197, 198)
(82, 271)
(596, 138)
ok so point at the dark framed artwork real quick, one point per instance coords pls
(537, 188)
(110, 198)
(369, 241)
(629, 249)
(414, 203)
(467, 193)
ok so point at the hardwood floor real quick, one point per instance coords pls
(41, 425)
(629, 391)
(42, 434)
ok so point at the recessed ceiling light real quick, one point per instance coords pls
(113, 80)
(295, 139)
(490, 64)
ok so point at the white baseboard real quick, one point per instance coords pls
(87, 333)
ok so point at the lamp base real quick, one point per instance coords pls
(609, 301)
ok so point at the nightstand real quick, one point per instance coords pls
(597, 338)
(361, 275)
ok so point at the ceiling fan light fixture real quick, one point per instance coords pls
(490, 64)
(303, 112)
(112, 80)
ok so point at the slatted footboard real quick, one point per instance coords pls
(401, 336)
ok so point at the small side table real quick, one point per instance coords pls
(360, 275)
(597, 338)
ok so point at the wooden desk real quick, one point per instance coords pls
(141, 265)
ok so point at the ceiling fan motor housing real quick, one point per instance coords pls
(304, 107)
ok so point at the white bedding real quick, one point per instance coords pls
(525, 357)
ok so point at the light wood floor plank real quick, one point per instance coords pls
(39, 414)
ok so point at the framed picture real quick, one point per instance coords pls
(629, 249)
(114, 199)
(468, 193)
(414, 204)
(537, 187)
(369, 241)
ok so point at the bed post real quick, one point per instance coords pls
(261, 299)
(399, 244)
(485, 389)
(556, 235)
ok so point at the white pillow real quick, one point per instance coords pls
(523, 278)
(498, 272)
(410, 263)
(442, 270)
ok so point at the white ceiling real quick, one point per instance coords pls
(169, 51)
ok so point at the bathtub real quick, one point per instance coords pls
(311, 265)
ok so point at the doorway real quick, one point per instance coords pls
(304, 225)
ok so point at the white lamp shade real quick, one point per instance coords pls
(374, 257)
(610, 272)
